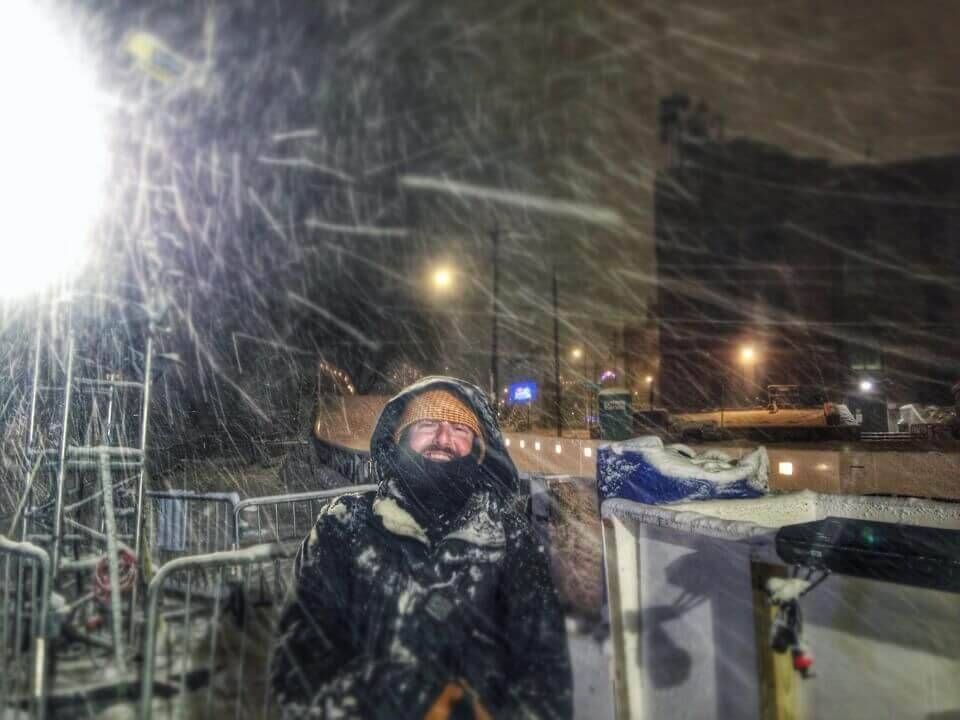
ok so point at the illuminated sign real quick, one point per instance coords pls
(522, 393)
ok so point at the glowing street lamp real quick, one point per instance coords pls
(747, 355)
(442, 279)
(53, 141)
(866, 385)
(576, 353)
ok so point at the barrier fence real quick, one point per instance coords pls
(24, 605)
(283, 518)
(209, 629)
(185, 523)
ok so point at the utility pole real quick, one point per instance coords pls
(556, 353)
(494, 379)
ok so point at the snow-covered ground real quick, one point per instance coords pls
(592, 691)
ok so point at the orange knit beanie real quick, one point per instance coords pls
(439, 405)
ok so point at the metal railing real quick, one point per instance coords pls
(217, 615)
(283, 518)
(25, 571)
(185, 523)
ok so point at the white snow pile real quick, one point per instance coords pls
(644, 470)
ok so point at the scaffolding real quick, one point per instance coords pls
(82, 496)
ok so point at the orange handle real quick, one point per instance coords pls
(442, 707)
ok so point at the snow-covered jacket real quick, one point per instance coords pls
(387, 610)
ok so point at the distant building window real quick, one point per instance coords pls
(862, 358)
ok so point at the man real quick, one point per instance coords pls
(428, 598)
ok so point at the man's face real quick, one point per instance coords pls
(439, 440)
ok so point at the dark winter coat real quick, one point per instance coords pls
(388, 608)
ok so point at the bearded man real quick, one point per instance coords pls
(429, 598)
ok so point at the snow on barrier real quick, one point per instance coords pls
(692, 621)
(24, 604)
(283, 518)
(645, 470)
(210, 623)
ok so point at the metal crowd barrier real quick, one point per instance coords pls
(283, 518)
(24, 604)
(210, 623)
(185, 523)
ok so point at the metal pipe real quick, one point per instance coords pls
(62, 470)
(113, 562)
(36, 384)
(141, 477)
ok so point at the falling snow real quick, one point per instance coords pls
(742, 215)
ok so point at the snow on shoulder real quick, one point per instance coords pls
(397, 520)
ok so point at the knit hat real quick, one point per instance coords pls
(439, 405)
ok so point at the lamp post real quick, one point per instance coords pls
(748, 358)
(495, 309)
(580, 354)
(649, 381)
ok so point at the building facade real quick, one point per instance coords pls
(778, 269)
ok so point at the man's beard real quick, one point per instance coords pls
(435, 491)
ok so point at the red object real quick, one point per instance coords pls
(802, 661)
(94, 622)
(127, 562)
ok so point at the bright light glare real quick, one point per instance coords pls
(747, 354)
(576, 353)
(442, 278)
(785, 468)
(648, 379)
(866, 386)
(53, 145)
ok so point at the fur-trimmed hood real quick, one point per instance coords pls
(497, 466)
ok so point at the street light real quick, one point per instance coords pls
(748, 358)
(53, 141)
(579, 354)
(442, 279)
(866, 385)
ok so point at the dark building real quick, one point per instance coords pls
(776, 269)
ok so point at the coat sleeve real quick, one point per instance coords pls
(541, 683)
(317, 668)
(313, 641)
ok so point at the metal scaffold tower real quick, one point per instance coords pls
(86, 447)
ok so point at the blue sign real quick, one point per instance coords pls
(522, 393)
